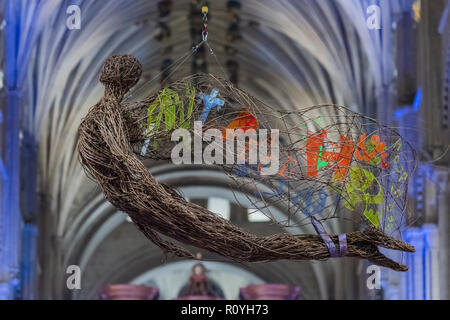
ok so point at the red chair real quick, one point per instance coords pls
(128, 292)
(198, 298)
(270, 292)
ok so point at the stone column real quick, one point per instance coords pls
(443, 210)
(422, 281)
(28, 264)
(10, 217)
(28, 208)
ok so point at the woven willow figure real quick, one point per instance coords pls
(115, 136)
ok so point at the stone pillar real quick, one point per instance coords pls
(443, 209)
(422, 281)
(434, 74)
(384, 92)
(10, 217)
(28, 208)
(28, 264)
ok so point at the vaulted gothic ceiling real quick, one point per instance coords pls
(291, 54)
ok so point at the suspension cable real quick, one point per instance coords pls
(205, 23)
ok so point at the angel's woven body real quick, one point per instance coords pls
(107, 156)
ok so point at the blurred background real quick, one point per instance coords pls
(59, 237)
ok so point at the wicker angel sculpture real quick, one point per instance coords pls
(317, 164)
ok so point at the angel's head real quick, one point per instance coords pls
(120, 73)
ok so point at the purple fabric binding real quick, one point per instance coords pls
(328, 242)
(342, 245)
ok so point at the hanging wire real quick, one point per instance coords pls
(217, 61)
(181, 60)
(205, 11)
(205, 23)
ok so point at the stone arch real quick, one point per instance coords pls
(116, 252)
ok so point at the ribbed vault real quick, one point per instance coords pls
(300, 53)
